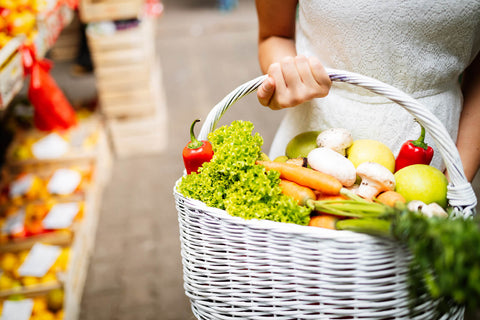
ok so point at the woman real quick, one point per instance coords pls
(420, 47)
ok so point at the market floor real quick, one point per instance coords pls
(135, 270)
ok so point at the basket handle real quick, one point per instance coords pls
(460, 192)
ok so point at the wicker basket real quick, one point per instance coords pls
(251, 269)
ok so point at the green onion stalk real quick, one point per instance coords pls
(445, 252)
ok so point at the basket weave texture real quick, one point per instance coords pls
(257, 269)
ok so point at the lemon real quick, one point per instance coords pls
(9, 262)
(39, 304)
(48, 278)
(55, 300)
(368, 150)
(6, 283)
(422, 182)
(29, 281)
(44, 315)
(302, 144)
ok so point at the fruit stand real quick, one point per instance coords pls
(52, 176)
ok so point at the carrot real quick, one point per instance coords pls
(321, 196)
(324, 221)
(390, 198)
(305, 176)
(296, 191)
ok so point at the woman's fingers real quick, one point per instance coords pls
(265, 91)
(293, 81)
(320, 75)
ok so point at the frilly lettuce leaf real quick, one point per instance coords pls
(233, 182)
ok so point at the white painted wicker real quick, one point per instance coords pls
(251, 269)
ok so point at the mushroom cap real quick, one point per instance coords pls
(330, 162)
(337, 139)
(377, 174)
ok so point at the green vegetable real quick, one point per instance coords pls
(233, 182)
(445, 252)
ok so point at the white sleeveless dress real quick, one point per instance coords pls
(419, 46)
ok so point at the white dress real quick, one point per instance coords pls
(419, 46)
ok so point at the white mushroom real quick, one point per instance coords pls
(429, 210)
(330, 162)
(337, 139)
(416, 205)
(375, 179)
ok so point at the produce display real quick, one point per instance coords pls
(63, 182)
(331, 180)
(39, 218)
(48, 306)
(27, 270)
(20, 17)
(51, 184)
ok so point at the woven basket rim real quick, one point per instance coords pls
(275, 226)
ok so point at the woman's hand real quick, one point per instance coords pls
(292, 81)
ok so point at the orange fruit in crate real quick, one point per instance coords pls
(21, 22)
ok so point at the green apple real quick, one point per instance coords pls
(422, 182)
(302, 144)
(368, 150)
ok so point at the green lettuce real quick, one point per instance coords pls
(233, 182)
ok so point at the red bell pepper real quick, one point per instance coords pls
(196, 152)
(414, 152)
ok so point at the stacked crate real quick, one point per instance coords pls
(130, 90)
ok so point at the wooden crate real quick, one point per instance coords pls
(139, 136)
(67, 45)
(11, 71)
(127, 71)
(109, 10)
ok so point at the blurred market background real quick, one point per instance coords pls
(137, 73)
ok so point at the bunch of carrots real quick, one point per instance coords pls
(329, 200)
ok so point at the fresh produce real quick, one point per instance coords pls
(196, 152)
(307, 177)
(337, 139)
(328, 161)
(414, 152)
(422, 182)
(445, 252)
(301, 144)
(300, 193)
(429, 210)
(375, 179)
(324, 221)
(233, 182)
(390, 198)
(368, 150)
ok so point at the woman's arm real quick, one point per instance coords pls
(468, 141)
(292, 79)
